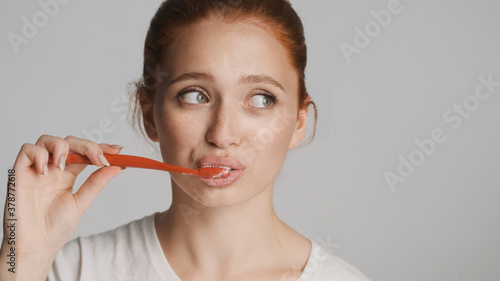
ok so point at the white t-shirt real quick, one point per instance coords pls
(133, 252)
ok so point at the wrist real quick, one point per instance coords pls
(23, 267)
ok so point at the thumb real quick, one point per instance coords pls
(93, 186)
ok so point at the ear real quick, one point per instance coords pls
(147, 108)
(300, 126)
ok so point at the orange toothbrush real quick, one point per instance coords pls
(141, 162)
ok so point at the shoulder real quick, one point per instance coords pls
(324, 266)
(111, 251)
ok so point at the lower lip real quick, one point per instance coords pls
(233, 177)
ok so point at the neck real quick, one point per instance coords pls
(214, 239)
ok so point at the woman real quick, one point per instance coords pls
(234, 97)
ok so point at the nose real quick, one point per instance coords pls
(224, 130)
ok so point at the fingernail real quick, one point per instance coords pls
(117, 146)
(103, 160)
(123, 169)
(45, 170)
(62, 162)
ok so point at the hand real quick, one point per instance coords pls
(47, 210)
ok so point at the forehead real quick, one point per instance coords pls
(229, 50)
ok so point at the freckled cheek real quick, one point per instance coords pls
(271, 143)
(179, 135)
(267, 161)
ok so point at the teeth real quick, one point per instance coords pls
(213, 166)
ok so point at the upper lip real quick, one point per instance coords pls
(213, 160)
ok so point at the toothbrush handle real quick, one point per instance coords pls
(145, 163)
(132, 162)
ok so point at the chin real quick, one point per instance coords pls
(221, 192)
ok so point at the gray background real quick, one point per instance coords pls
(440, 224)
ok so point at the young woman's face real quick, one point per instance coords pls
(230, 99)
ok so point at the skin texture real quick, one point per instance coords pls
(230, 232)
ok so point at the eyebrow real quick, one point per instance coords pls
(248, 79)
(192, 76)
(254, 79)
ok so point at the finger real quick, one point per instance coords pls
(57, 146)
(111, 148)
(89, 148)
(93, 186)
(31, 154)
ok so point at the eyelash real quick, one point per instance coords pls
(271, 97)
(191, 89)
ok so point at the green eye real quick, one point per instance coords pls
(194, 97)
(262, 101)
